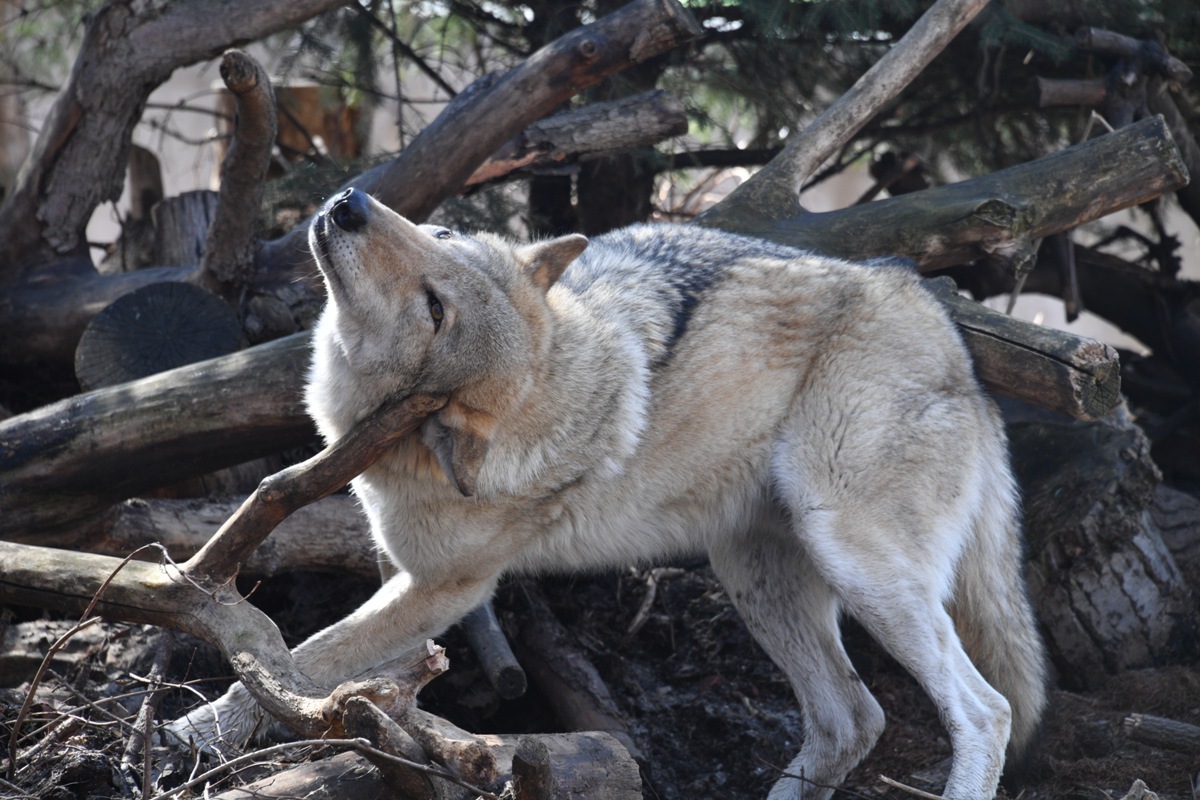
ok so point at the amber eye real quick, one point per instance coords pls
(436, 312)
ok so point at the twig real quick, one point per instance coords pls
(86, 621)
(909, 789)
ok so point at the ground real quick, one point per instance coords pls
(710, 713)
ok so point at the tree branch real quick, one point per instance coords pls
(773, 192)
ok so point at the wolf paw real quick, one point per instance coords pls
(222, 726)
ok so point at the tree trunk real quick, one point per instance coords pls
(1106, 588)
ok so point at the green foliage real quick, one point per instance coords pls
(38, 39)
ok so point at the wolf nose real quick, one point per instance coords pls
(350, 210)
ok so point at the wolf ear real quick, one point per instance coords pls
(545, 262)
(459, 453)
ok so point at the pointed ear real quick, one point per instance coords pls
(545, 262)
(459, 452)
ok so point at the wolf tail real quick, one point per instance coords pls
(993, 615)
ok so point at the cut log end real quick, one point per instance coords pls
(156, 328)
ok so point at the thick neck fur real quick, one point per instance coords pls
(586, 402)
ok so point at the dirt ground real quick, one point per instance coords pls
(710, 713)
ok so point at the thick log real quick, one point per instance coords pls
(1106, 590)
(1042, 366)
(1155, 731)
(77, 457)
(157, 328)
(80, 155)
(591, 765)
(331, 535)
(984, 216)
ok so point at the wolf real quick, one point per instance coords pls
(814, 426)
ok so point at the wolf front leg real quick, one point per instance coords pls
(401, 615)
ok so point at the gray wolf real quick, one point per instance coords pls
(813, 425)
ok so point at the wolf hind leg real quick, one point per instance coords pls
(793, 614)
(895, 592)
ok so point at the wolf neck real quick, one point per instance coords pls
(585, 408)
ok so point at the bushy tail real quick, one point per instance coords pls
(993, 615)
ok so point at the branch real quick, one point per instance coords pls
(1042, 366)
(488, 113)
(320, 476)
(964, 221)
(232, 237)
(80, 155)
(590, 132)
(773, 192)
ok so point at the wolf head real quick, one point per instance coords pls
(418, 308)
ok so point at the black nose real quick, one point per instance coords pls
(350, 210)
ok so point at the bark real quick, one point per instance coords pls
(80, 155)
(1042, 366)
(494, 653)
(994, 213)
(233, 236)
(565, 676)
(591, 765)
(331, 535)
(586, 133)
(773, 193)
(484, 117)
(1162, 732)
(47, 320)
(1107, 591)
(66, 461)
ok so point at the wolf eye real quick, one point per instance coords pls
(436, 312)
(442, 234)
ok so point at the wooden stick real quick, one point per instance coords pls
(282, 493)
(495, 655)
(1155, 731)
(773, 193)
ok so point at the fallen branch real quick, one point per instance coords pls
(1043, 366)
(1162, 732)
(495, 655)
(565, 676)
(66, 461)
(586, 133)
(773, 193)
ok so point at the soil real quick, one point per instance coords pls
(710, 713)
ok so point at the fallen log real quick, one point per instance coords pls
(1155, 731)
(72, 459)
(591, 764)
